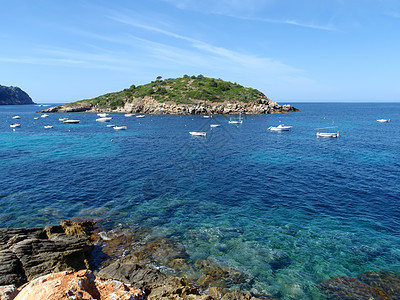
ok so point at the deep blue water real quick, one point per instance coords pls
(288, 209)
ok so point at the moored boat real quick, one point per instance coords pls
(16, 117)
(215, 125)
(15, 125)
(44, 116)
(383, 120)
(140, 116)
(104, 119)
(197, 133)
(48, 126)
(120, 127)
(280, 127)
(328, 134)
(102, 115)
(71, 121)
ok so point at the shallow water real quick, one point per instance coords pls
(288, 209)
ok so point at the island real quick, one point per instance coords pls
(180, 96)
(12, 95)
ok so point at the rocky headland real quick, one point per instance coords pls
(188, 95)
(13, 96)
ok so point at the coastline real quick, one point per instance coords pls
(148, 105)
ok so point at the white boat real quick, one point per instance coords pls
(15, 125)
(328, 134)
(383, 120)
(215, 125)
(206, 117)
(324, 134)
(129, 115)
(197, 133)
(16, 117)
(238, 121)
(120, 127)
(104, 119)
(44, 116)
(280, 127)
(48, 126)
(62, 119)
(110, 125)
(71, 121)
(35, 118)
(140, 116)
(103, 115)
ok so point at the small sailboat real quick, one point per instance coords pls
(280, 127)
(15, 125)
(197, 133)
(140, 116)
(328, 134)
(129, 115)
(48, 126)
(206, 117)
(102, 115)
(120, 127)
(44, 116)
(61, 119)
(215, 125)
(16, 117)
(35, 118)
(383, 120)
(238, 121)
(110, 125)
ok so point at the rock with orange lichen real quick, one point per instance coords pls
(77, 285)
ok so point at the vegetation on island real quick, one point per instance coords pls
(184, 90)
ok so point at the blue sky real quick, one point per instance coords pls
(292, 50)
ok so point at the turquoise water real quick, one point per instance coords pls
(287, 209)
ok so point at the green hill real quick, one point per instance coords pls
(184, 90)
(185, 95)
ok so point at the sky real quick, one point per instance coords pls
(291, 50)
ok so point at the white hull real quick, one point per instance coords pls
(44, 116)
(120, 127)
(140, 116)
(328, 134)
(129, 115)
(104, 119)
(71, 121)
(16, 117)
(215, 125)
(102, 115)
(383, 120)
(279, 128)
(15, 125)
(48, 126)
(197, 133)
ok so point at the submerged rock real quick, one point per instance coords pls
(350, 288)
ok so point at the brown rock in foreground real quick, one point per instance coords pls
(28, 253)
(77, 285)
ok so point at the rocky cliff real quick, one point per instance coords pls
(13, 96)
(148, 105)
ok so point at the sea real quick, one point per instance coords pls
(287, 209)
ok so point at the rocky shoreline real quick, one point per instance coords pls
(148, 105)
(51, 261)
(79, 260)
